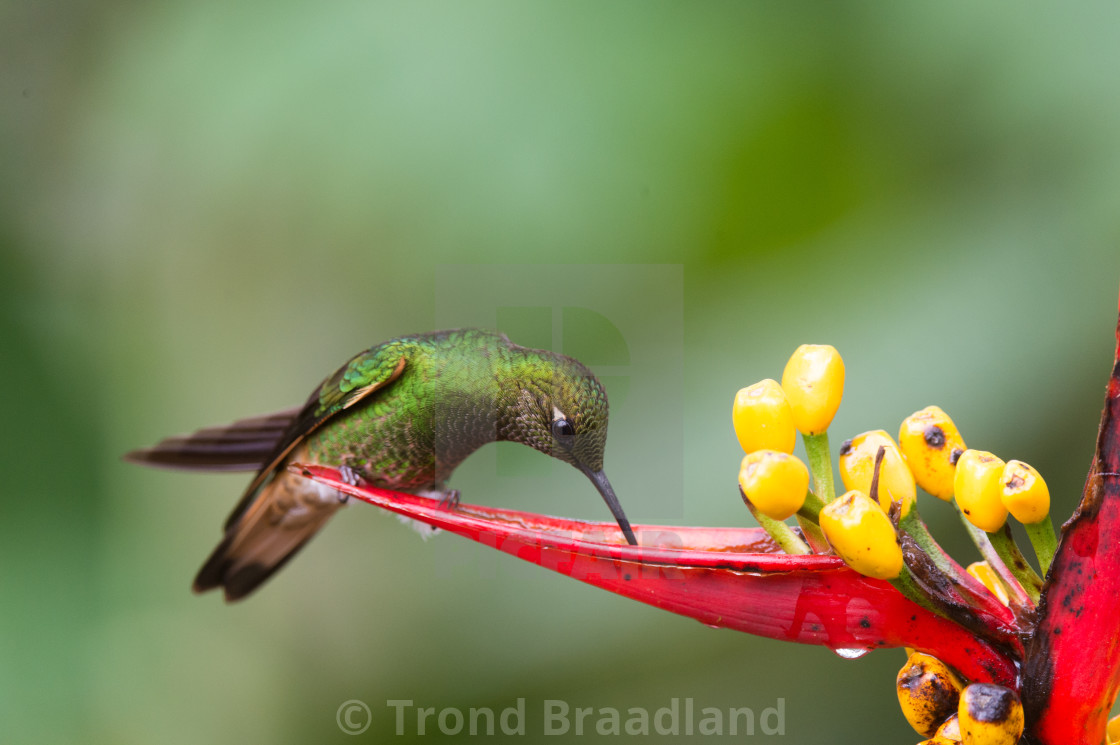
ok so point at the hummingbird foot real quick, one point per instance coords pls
(351, 477)
(450, 500)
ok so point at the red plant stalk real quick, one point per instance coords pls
(1072, 670)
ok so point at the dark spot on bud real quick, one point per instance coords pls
(935, 436)
(955, 456)
(911, 677)
(990, 703)
(865, 623)
(626, 577)
(1015, 482)
(845, 447)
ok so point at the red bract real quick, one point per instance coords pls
(737, 578)
(1072, 670)
(724, 577)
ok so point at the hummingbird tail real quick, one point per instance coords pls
(284, 515)
(244, 445)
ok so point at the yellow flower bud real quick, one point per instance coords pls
(928, 692)
(950, 731)
(939, 740)
(857, 468)
(1112, 736)
(1025, 494)
(978, 489)
(814, 384)
(931, 444)
(862, 535)
(763, 419)
(990, 715)
(775, 483)
(983, 571)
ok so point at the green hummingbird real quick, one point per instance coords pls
(401, 415)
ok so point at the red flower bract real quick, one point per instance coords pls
(723, 577)
(1072, 671)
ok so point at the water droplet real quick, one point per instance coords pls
(851, 653)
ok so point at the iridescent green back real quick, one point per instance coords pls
(458, 391)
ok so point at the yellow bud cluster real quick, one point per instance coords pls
(862, 535)
(763, 419)
(979, 491)
(775, 483)
(933, 448)
(857, 469)
(928, 693)
(932, 444)
(990, 715)
(814, 384)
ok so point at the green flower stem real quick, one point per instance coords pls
(988, 551)
(1044, 541)
(915, 527)
(782, 534)
(811, 510)
(808, 517)
(908, 586)
(820, 465)
(1014, 560)
(814, 535)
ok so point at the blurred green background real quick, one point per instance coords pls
(207, 207)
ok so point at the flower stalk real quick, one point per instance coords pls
(1044, 542)
(820, 465)
(1008, 551)
(781, 533)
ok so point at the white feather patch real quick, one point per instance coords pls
(426, 531)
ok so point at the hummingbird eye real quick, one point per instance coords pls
(563, 431)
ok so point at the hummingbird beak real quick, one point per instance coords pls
(599, 478)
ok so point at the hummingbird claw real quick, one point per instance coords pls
(450, 500)
(350, 475)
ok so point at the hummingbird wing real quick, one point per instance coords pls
(279, 511)
(366, 373)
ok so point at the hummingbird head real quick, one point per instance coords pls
(563, 411)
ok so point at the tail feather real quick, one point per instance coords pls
(283, 516)
(238, 575)
(244, 445)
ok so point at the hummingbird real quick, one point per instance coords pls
(401, 415)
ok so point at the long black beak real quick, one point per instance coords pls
(599, 478)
